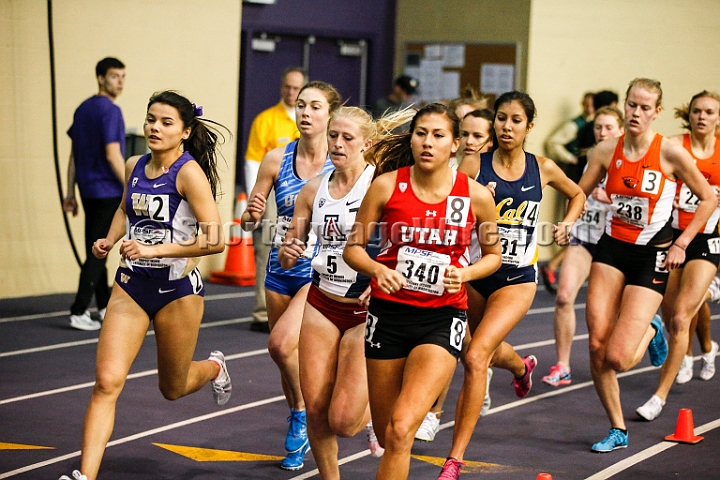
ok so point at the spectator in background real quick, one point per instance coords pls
(562, 146)
(586, 135)
(400, 97)
(274, 127)
(97, 165)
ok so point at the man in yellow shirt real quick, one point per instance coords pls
(272, 128)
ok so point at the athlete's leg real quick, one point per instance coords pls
(503, 310)
(349, 410)
(426, 372)
(318, 362)
(603, 304)
(703, 329)
(176, 331)
(121, 337)
(285, 317)
(694, 280)
(573, 273)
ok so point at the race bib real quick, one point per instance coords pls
(150, 232)
(281, 228)
(424, 270)
(631, 210)
(687, 201)
(331, 267)
(457, 332)
(513, 242)
(714, 246)
(660, 260)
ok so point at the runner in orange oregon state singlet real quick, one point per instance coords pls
(642, 197)
(687, 202)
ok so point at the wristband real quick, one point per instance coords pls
(678, 246)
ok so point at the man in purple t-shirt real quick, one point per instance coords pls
(97, 166)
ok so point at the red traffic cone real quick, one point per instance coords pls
(544, 476)
(240, 261)
(684, 430)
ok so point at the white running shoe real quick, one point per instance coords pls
(221, 385)
(102, 313)
(375, 449)
(428, 428)
(76, 475)
(487, 401)
(84, 322)
(708, 368)
(714, 290)
(651, 409)
(685, 373)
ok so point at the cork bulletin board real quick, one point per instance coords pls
(445, 69)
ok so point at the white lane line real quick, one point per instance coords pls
(502, 408)
(208, 298)
(647, 453)
(341, 462)
(146, 433)
(132, 376)
(150, 333)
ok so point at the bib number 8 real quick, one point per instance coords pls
(457, 333)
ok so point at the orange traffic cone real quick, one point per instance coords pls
(544, 476)
(684, 430)
(240, 261)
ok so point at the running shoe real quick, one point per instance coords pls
(451, 469)
(558, 375)
(375, 449)
(221, 386)
(76, 475)
(102, 313)
(685, 373)
(708, 369)
(658, 348)
(428, 428)
(524, 384)
(549, 279)
(297, 431)
(615, 439)
(295, 460)
(651, 409)
(84, 322)
(714, 290)
(487, 401)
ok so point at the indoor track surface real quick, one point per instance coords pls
(47, 373)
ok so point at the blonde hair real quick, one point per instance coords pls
(683, 112)
(648, 84)
(469, 96)
(613, 112)
(375, 130)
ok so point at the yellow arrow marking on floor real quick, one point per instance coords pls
(210, 455)
(471, 466)
(20, 446)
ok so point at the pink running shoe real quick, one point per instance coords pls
(524, 384)
(558, 375)
(451, 469)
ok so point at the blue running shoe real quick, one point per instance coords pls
(297, 432)
(295, 460)
(615, 439)
(658, 348)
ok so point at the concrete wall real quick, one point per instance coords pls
(184, 45)
(589, 45)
